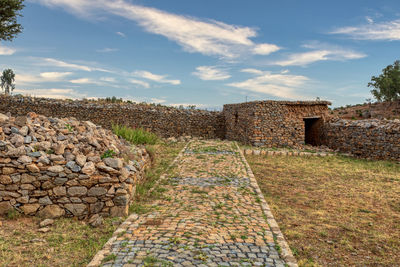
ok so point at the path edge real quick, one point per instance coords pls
(99, 256)
(286, 252)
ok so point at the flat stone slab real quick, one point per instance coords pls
(212, 213)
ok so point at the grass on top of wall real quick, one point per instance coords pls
(137, 136)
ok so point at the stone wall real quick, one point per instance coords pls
(53, 167)
(272, 123)
(374, 139)
(162, 120)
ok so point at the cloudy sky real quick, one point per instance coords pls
(204, 53)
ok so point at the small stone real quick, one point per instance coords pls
(80, 160)
(36, 154)
(46, 222)
(76, 209)
(5, 179)
(59, 149)
(3, 118)
(56, 169)
(73, 166)
(121, 200)
(97, 191)
(27, 139)
(24, 130)
(77, 191)
(30, 209)
(33, 168)
(115, 163)
(44, 230)
(96, 220)
(51, 212)
(89, 168)
(45, 201)
(60, 191)
(27, 179)
(5, 207)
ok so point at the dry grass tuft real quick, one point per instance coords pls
(334, 211)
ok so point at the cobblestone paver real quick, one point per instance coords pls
(210, 215)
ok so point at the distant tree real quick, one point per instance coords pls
(7, 81)
(387, 85)
(9, 11)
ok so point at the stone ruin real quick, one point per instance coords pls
(58, 167)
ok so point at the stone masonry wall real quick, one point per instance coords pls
(162, 120)
(53, 167)
(271, 123)
(374, 139)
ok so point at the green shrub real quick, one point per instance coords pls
(136, 136)
(108, 154)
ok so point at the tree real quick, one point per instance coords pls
(387, 85)
(9, 11)
(7, 81)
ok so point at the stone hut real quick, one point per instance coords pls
(276, 123)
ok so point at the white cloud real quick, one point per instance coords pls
(265, 49)
(62, 64)
(7, 51)
(86, 81)
(278, 85)
(155, 77)
(107, 50)
(208, 37)
(158, 100)
(320, 52)
(108, 79)
(140, 83)
(121, 34)
(389, 30)
(51, 93)
(211, 73)
(41, 77)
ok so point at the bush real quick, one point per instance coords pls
(136, 136)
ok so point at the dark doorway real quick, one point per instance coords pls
(312, 130)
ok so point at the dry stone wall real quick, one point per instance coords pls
(54, 167)
(374, 139)
(165, 121)
(271, 123)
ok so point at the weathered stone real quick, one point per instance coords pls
(97, 191)
(27, 179)
(30, 209)
(45, 201)
(77, 191)
(51, 212)
(115, 163)
(73, 166)
(33, 168)
(60, 191)
(46, 222)
(96, 207)
(121, 200)
(5, 179)
(96, 220)
(7, 170)
(60, 180)
(59, 149)
(56, 169)
(5, 207)
(80, 160)
(89, 168)
(3, 118)
(23, 199)
(76, 209)
(24, 159)
(27, 187)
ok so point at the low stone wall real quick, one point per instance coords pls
(162, 120)
(374, 139)
(63, 167)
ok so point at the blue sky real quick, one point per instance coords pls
(204, 53)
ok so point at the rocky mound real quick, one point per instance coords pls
(64, 167)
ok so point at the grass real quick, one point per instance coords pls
(137, 136)
(69, 242)
(334, 211)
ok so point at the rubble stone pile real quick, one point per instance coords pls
(53, 167)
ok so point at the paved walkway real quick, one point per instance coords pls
(212, 214)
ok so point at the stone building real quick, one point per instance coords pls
(276, 123)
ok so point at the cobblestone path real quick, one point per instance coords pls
(211, 215)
